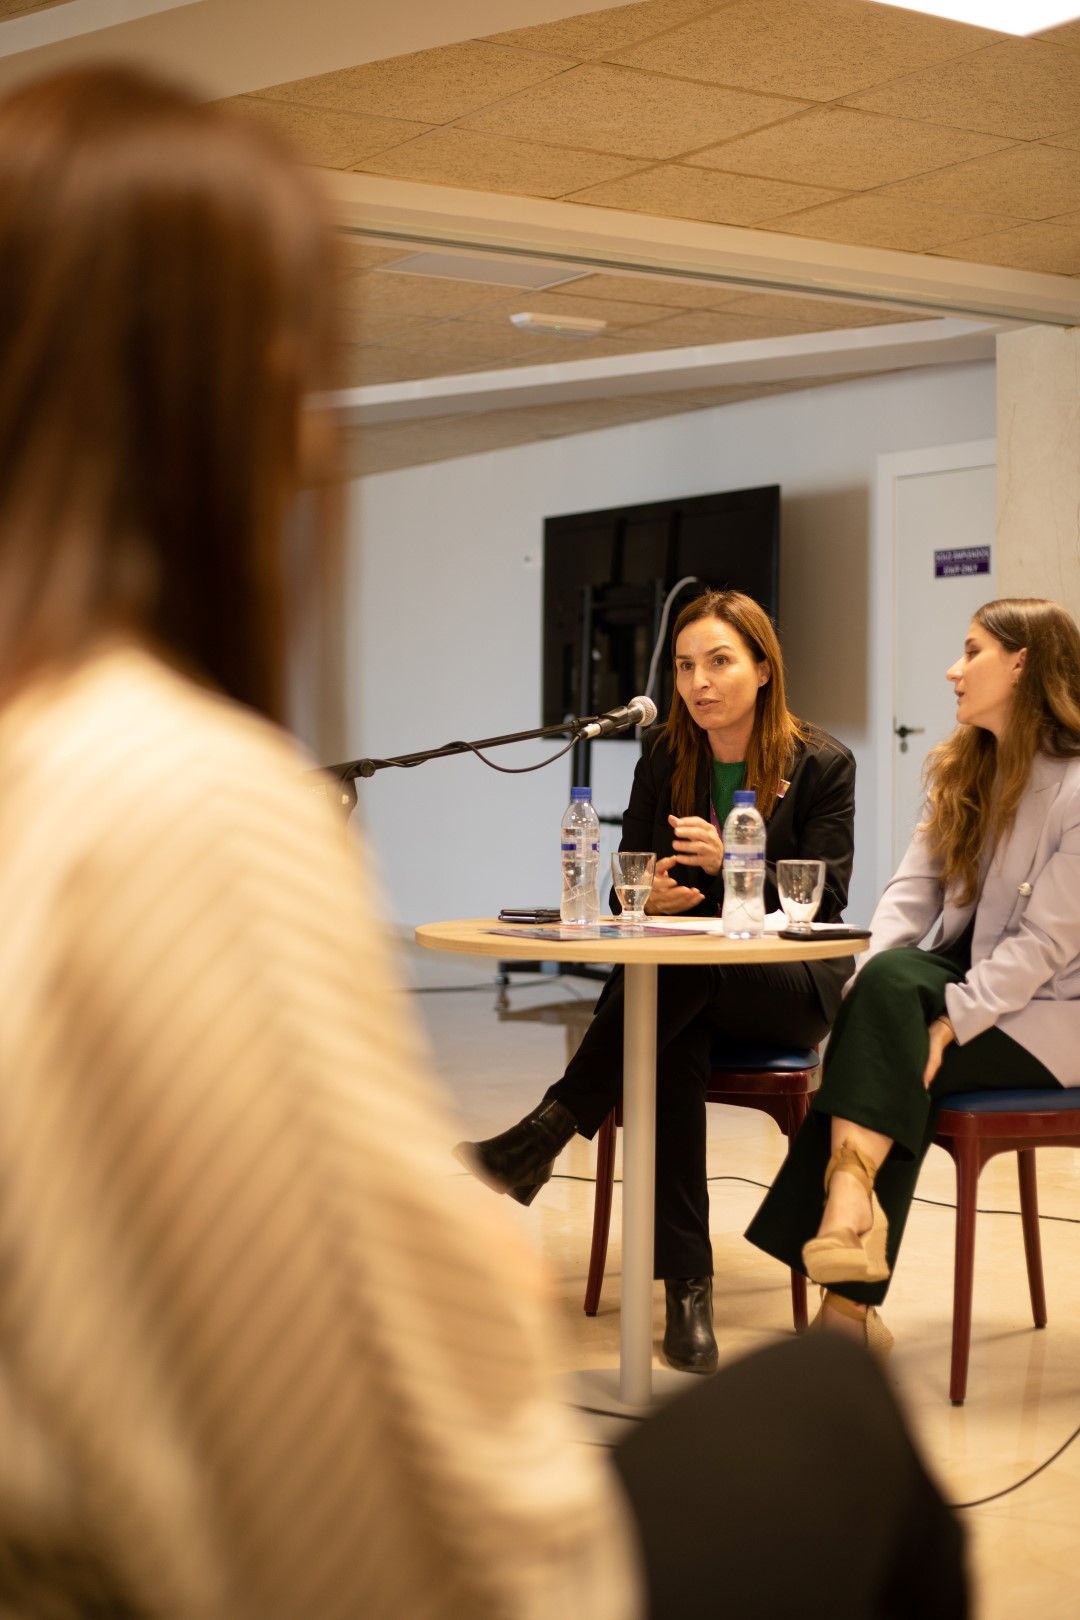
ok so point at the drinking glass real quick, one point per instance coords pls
(800, 884)
(632, 874)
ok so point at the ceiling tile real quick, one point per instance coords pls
(686, 193)
(433, 87)
(482, 162)
(19, 8)
(369, 324)
(819, 49)
(391, 446)
(632, 114)
(474, 345)
(841, 146)
(875, 220)
(1021, 88)
(818, 314)
(1051, 245)
(1064, 34)
(366, 366)
(1070, 142)
(431, 296)
(333, 140)
(666, 290)
(356, 253)
(600, 31)
(701, 327)
(1028, 182)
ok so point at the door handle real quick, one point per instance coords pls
(904, 732)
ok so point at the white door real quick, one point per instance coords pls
(941, 510)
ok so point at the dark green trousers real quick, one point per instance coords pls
(873, 1076)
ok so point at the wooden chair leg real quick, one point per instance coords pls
(800, 1107)
(797, 1110)
(968, 1165)
(605, 1182)
(798, 1301)
(1029, 1215)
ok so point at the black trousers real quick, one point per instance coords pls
(696, 1007)
(788, 1485)
(873, 1077)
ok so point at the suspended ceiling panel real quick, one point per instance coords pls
(20, 8)
(838, 120)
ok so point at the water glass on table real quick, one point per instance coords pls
(799, 884)
(632, 874)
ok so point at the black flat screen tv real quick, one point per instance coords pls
(607, 574)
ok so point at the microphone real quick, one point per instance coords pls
(640, 711)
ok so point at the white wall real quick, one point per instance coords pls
(444, 614)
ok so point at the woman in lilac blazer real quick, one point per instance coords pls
(992, 1002)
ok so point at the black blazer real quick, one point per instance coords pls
(815, 820)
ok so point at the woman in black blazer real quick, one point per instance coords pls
(729, 727)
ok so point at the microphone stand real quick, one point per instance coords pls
(345, 774)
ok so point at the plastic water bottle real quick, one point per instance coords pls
(580, 860)
(743, 915)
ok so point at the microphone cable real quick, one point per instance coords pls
(661, 635)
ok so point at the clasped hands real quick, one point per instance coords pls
(696, 843)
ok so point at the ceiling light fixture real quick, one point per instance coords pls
(1007, 16)
(571, 326)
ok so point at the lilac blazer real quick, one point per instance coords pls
(1025, 954)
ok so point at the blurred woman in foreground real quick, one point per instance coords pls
(260, 1358)
(233, 1381)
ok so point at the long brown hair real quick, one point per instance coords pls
(164, 299)
(776, 733)
(974, 781)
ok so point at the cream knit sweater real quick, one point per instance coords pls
(262, 1356)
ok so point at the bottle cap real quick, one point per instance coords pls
(580, 793)
(743, 796)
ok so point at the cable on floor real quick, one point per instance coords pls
(1007, 1489)
(939, 1203)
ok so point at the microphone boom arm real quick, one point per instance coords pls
(351, 769)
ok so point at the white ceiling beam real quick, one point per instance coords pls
(229, 47)
(581, 235)
(74, 19)
(693, 371)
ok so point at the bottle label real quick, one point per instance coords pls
(744, 857)
(579, 846)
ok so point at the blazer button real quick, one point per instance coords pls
(1024, 888)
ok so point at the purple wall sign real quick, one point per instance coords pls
(961, 560)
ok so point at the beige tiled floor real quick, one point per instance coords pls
(1024, 1386)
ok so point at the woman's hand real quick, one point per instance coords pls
(697, 843)
(941, 1035)
(666, 897)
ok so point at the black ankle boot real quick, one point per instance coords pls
(689, 1344)
(520, 1160)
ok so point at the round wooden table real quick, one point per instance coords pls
(640, 956)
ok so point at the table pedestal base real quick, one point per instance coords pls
(596, 1390)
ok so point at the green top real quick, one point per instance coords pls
(725, 780)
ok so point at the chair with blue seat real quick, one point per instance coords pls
(973, 1129)
(776, 1080)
